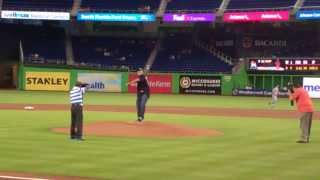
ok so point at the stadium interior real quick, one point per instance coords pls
(160, 89)
(197, 47)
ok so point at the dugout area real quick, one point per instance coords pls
(8, 75)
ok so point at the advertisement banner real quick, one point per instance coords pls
(284, 64)
(257, 92)
(308, 15)
(210, 85)
(263, 42)
(159, 83)
(312, 85)
(36, 15)
(196, 17)
(115, 17)
(102, 82)
(269, 16)
(47, 81)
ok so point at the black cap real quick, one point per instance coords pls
(296, 85)
(78, 83)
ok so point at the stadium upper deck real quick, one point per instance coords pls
(153, 5)
(114, 5)
(38, 5)
(193, 5)
(258, 4)
(311, 4)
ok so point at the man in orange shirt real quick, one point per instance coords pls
(305, 107)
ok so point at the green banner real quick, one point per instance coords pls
(35, 75)
(228, 82)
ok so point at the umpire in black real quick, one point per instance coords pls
(143, 93)
(76, 100)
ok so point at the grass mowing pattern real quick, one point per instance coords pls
(155, 100)
(251, 149)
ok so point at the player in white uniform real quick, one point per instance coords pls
(275, 94)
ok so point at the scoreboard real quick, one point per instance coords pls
(284, 64)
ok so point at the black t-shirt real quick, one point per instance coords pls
(143, 86)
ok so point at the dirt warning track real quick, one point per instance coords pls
(30, 176)
(205, 111)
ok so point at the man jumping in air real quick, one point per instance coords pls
(143, 93)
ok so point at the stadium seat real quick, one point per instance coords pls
(312, 4)
(44, 51)
(39, 5)
(260, 4)
(178, 54)
(193, 5)
(115, 53)
(40, 44)
(44, 45)
(120, 5)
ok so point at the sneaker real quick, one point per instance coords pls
(140, 119)
(302, 142)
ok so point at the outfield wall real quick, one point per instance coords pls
(62, 79)
(268, 81)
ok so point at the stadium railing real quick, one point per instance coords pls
(259, 9)
(36, 9)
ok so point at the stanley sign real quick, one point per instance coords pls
(47, 81)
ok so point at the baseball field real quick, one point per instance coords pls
(245, 139)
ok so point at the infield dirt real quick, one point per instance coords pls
(145, 129)
(205, 111)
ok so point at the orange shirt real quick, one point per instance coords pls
(304, 102)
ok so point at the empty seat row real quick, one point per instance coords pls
(151, 5)
(41, 5)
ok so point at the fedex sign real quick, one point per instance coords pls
(195, 17)
(312, 85)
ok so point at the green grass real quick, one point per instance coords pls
(155, 100)
(250, 149)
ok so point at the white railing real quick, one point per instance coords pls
(191, 11)
(162, 8)
(1, 2)
(297, 6)
(215, 52)
(261, 9)
(85, 9)
(223, 7)
(153, 55)
(75, 7)
(16, 7)
(310, 7)
(21, 53)
(69, 47)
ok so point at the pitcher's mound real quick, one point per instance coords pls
(145, 129)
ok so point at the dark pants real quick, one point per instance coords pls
(76, 121)
(305, 125)
(141, 104)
